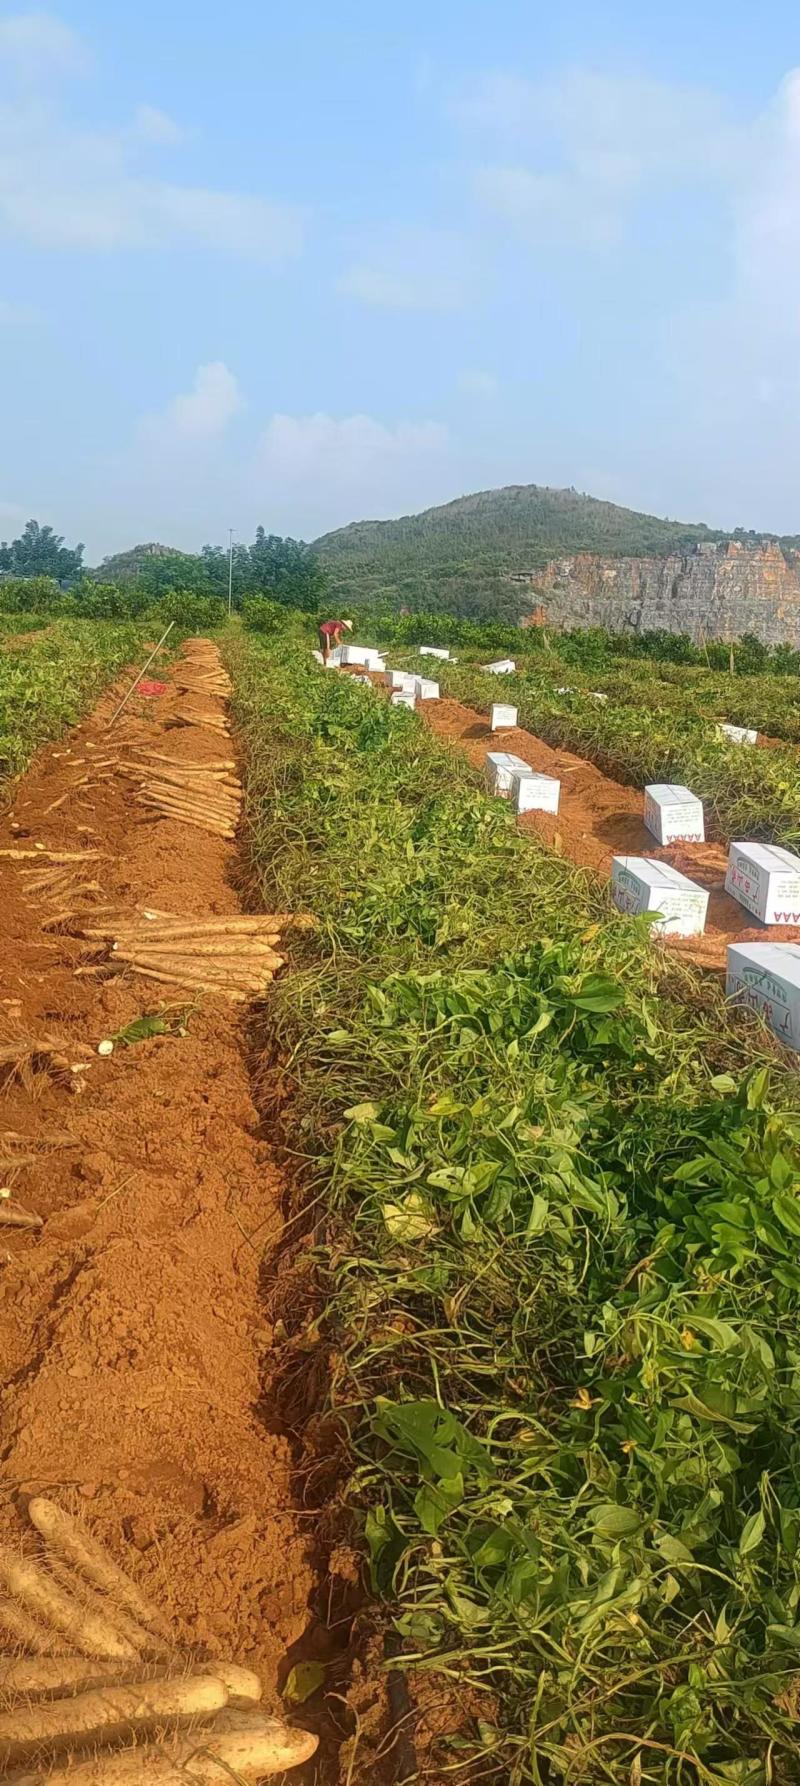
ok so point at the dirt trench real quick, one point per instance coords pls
(134, 1341)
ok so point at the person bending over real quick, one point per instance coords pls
(330, 635)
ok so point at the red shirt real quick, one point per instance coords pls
(329, 627)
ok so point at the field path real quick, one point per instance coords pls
(599, 818)
(134, 1336)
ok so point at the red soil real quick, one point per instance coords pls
(133, 1331)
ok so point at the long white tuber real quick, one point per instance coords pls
(70, 1538)
(104, 1714)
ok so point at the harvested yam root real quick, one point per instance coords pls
(203, 682)
(195, 795)
(47, 1677)
(22, 1057)
(12, 1215)
(240, 1746)
(142, 1642)
(108, 1712)
(236, 956)
(29, 1632)
(63, 889)
(70, 1720)
(69, 1539)
(87, 1631)
(213, 722)
(18, 1151)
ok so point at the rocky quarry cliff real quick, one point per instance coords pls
(711, 592)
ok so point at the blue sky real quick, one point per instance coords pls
(302, 265)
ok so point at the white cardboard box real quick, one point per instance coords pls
(364, 656)
(766, 977)
(502, 717)
(433, 651)
(766, 881)
(736, 734)
(534, 793)
(673, 813)
(425, 690)
(503, 667)
(640, 885)
(403, 697)
(500, 766)
(399, 679)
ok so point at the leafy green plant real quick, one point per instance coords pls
(48, 686)
(562, 1192)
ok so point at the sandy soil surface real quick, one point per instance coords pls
(134, 1343)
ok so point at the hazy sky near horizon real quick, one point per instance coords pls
(303, 265)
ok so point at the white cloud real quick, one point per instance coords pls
(199, 416)
(67, 186)
(318, 471)
(154, 126)
(476, 383)
(578, 151)
(185, 477)
(61, 188)
(411, 269)
(34, 43)
(734, 364)
(553, 204)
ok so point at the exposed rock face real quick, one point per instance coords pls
(716, 592)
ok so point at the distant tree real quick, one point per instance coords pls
(282, 570)
(39, 552)
(174, 570)
(287, 570)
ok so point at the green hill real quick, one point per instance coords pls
(125, 567)
(464, 556)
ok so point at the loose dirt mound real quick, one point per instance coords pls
(132, 1332)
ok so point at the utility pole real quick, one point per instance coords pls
(230, 571)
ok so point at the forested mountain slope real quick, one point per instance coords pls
(466, 555)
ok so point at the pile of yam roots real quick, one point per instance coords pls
(97, 1695)
(235, 956)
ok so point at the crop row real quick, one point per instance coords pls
(764, 695)
(48, 684)
(747, 792)
(558, 1261)
(770, 704)
(592, 647)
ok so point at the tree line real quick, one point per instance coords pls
(279, 570)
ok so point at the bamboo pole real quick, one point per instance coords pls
(124, 702)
